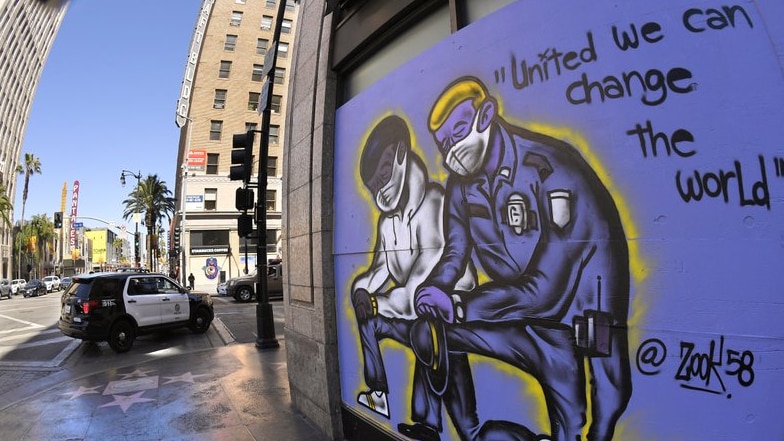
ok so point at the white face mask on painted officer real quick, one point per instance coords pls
(467, 155)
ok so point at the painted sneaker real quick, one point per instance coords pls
(375, 401)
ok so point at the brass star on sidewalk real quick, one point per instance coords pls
(136, 374)
(82, 391)
(185, 378)
(126, 401)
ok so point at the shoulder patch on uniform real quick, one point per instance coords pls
(540, 163)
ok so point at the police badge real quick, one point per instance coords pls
(560, 207)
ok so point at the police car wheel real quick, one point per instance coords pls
(244, 294)
(121, 336)
(200, 322)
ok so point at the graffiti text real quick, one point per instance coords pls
(725, 182)
(650, 141)
(698, 369)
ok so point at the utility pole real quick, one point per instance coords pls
(265, 321)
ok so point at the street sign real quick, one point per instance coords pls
(265, 87)
(269, 59)
(78, 224)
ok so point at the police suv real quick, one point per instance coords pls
(116, 307)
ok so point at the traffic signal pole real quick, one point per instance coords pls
(265, 320)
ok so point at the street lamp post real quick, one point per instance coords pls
(138, 177)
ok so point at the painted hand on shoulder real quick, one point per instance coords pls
(431, 301)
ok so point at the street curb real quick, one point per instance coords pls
(223, 331)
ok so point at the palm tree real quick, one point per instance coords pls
(117, 243)
(153, 199)
(5, 206)
(43, 229)
(32, 165)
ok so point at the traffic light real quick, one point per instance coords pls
(58, 219)
(244, 225)
(176, 238)
(242, 157)
(137, 246)
(243, 199)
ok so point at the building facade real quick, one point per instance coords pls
(220, 97)
(595, 193)
(27, 31)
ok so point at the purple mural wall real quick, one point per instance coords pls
(565, 222)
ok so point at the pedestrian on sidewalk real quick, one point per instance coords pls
(191, 280)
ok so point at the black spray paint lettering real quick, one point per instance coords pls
(698, 185)
(652, 86)
(650, 32)
(697, 370)
(651, 141)
(551, 63)
(698, 20)
(779, 166)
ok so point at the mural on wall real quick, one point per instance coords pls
(568, 231)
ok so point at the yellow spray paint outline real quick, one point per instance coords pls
(531, 390)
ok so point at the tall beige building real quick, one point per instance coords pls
(27, 31)
(219, 98)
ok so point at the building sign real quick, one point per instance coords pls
(184, 102)
(194, 202)
(197, 159)
(74, 206)
(214, 249)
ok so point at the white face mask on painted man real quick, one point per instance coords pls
(467, 155)
(388, 197)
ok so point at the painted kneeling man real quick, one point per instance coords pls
(409, 243)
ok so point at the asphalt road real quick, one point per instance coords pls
(28, 332)
(29, 337)
(31, 345)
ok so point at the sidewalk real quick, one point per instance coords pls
(235, 392)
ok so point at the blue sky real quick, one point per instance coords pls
(106, 102)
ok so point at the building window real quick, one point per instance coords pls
(289, 6)
(266, 22)
(220, 99)
(272, 241)
(257, 72)
(280, 75)
(253, 100)
(270, 203)
(273, 134)
(285, 26)
(283, 49)
(212, 163)
(270, 3)
(275, 106)
(225, 69)
(206, 238)
(230, 43)
(272, 165)
(250, 126)
(210, 198)
(216, 127)
(236, 18)
(261, 46)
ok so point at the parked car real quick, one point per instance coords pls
(52, 283)
(222, 289)
(65, 282)
(16, 285)
(116, 307)
(5, 288)
(243, 288)
(35, 287)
